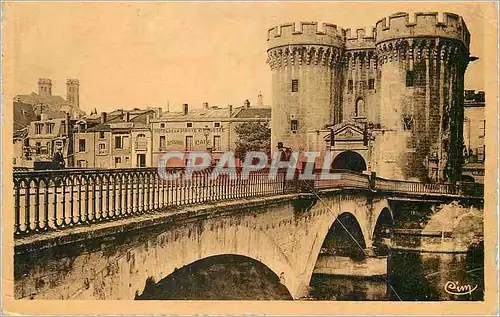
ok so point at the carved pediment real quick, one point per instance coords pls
(347, 131)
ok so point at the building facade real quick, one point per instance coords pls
(389, 101)
(474, 134)
(210, 128)
(122, 139)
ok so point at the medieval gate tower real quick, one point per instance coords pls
(388, 101)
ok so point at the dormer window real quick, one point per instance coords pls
(216, 124)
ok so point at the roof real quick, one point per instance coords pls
(264, 113)
(198, 114)
(139, 120)
(53, 101)
(23, 115)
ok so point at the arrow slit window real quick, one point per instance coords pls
(294, 125)
(295, 85)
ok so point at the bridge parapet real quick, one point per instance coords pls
(53, 200)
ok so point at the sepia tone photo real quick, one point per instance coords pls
(191, 157)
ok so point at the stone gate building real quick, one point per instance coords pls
(388, 101)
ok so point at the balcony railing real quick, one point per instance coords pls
(48, 200)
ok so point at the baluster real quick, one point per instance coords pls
(120, 190)
(99, 215)
(17, 206)
(113, 178)
(56, 185)
(153, 192)
(71, 201)
(64, 220)
(46, 204)
(80, 180)
(27, 228)
(37, 205)
(107, 177)
(158, 189)
(135, 192)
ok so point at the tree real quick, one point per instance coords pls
(252, 136)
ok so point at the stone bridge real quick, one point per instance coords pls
(284, 232)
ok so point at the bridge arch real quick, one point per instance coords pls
(382, 231)
(221, 277)
(345, 237)
(349, 160)
(159, 256)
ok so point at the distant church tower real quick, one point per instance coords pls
(44, 87)
(73, 93)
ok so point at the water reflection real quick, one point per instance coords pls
(414, 276)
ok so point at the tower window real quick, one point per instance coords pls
(350, 86)
(410, 78)
(371, 83)
(81, 145)
(295, 85)
(293, 126)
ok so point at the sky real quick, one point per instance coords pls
(135, 55)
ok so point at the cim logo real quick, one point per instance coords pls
(455, 288)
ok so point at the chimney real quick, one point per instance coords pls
(230, 110)
(247, 104)
(127, 116)
(205, 105)
(185, 109)
(160, 112)
(148, 118)
(104, 117)
(260, 101)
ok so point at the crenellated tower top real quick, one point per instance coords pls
(361, 39)
(307, 33)
(423, 24)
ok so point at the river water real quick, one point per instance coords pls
(410, 277)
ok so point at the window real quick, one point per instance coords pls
(101, 134)
(162, 142)
(410, 78)
(359, 108)
(50, 128)
(118, 161)
(189, 143)
(82, 163)
(38, 128)
(295, 85)
(162, 125)
(483, 129)
(81, 145)
(189, 124)
(216, 124)
(371, 83)
(38, 147)
(118, 142)
(63, 127)
(102, 146)
(293, 125)
(216, 142)
(350, 86)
